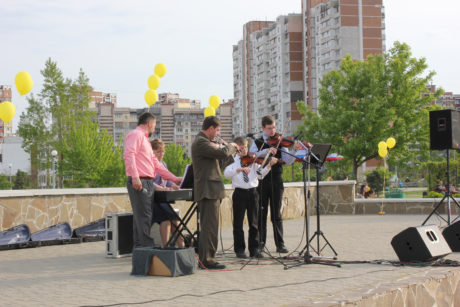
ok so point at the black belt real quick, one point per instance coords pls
(146, 178)
(246, 190)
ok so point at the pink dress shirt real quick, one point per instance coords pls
(139, 158)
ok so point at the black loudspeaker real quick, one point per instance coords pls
(422, 243)
(119, 234)
(452, 236)
(445, 129)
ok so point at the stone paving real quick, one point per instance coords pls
(80, 275)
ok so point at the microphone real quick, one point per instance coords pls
(296, 137)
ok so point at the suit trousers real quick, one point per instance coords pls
(209, 223)
(141, 203)
(245, 200)
(271, 191)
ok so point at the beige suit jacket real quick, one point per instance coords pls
(207, 161)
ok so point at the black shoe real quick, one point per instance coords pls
(241, 255)
(213, 266)
(257, 255)
(282, 249)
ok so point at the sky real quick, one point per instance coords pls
(117, 43)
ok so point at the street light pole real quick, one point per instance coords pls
(54, 154)
(10, 167)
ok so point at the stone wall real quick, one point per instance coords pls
(429, 288)
(42, 208)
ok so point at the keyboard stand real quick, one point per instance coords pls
(183, 225)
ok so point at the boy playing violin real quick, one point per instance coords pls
(243, 172)
(271, 188)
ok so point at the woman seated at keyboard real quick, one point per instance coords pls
(162, 212)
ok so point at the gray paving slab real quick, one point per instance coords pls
(80, 275)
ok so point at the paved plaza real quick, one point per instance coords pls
(80, 275)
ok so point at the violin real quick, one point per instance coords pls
(278, 139)
(251, 158)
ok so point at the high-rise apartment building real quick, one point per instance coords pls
(104, 105)
(334, 28)
(6, 129)
(268, 74)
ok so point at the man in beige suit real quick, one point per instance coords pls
(208, 187)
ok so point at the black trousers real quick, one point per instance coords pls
(271, 191)
(141, 202)
(245, 200)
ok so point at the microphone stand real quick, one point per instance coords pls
(307, 257)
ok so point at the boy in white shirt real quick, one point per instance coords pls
(245, 197)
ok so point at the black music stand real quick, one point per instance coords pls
(187, 183)
(315, 156)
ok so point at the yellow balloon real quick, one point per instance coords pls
(23, 82)
(151, 96)
(160, 69)
(7, 111)
(382, 145)
(153, 82)
(209, 111)
(383, 152)
(214, 101)
(391, 142)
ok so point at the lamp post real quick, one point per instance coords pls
(10, 166)
(54, 154)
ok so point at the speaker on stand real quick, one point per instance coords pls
(445, 135)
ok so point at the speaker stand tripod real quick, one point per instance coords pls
(448, 196)
(307, 257)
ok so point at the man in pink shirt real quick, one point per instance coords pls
(141, 167)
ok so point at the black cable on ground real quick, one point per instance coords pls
(238, 290)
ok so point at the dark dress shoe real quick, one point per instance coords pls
(213, 266)
(282, 249)
(257, 255)
(241, 255)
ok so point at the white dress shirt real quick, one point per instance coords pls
(285, 157)
(237, 178)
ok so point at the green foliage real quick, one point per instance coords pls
(90, 157)
(176, 159)
(59, 119)
(5, 182)
(436, 171)
(21, 180)
(366, 102)
(433, 194)
(376, 179)
(292, 173)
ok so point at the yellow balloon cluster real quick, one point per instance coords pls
(209, 111)
(384, 146)
(7, 111)
(214, 103)
(24, 83)
(151, 96)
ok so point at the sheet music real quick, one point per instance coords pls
(186, 179)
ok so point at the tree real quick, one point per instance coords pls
(36, 134)
(90, 157)
(21, 180)
(176, 159)
(5, 183)
(366, 102)
(376, 179)
(60, 119)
